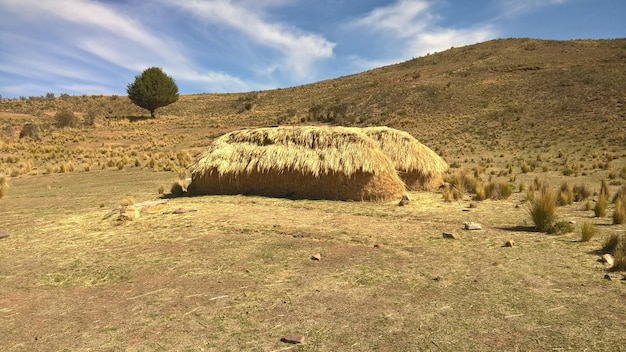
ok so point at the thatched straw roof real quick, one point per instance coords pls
(298, 162)
(419, 166)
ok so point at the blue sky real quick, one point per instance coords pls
(98, 47)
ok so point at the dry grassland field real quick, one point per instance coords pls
(241, 273)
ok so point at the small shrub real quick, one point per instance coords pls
(587, 231)
(622, 173)
(600, 208)
(561, 227)
(543, 210)
(581, 193)
(161, 190)
(90, 118)
(31, 131)
(65, 118)
(525, 168)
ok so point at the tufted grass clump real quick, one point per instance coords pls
(600, 208)
(619, 214)
(581, 193)
(4, 186)
(566, 194)
(543, 210)
(587, 231)
(616, 246)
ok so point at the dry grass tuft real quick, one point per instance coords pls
(604, 189)
(566, 194)
(619, 214)
(616, 246)
(543, 210)
(581, 193)
(587, 231)
(4, 186)
(600, 208)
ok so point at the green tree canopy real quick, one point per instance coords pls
(152, 90)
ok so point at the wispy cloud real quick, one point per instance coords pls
(299, 50)
(517, 7)
(412, 28)
(92, 36)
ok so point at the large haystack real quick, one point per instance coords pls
(297, 162)
(419, 166)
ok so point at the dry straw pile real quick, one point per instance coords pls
(420, 168)
(303, 162)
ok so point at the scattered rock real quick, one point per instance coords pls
(608, 260)
(179, 211)
(379, 245)
(624, 278)
(473, 205)
(404, 201)
(572, 222)
(4, 234)
(450, 235)
(293, 339)
(608, 277)
(472, 226)
(509, 243)
(317, 256)
(437, 278)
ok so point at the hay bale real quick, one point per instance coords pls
(419, 167)
(297, 162)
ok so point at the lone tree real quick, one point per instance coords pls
(152, 90)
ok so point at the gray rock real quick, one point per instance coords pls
(472, 226)
(293, 339)
(509, 243)
(450, 235)
(608, 260)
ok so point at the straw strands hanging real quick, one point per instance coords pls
(419, 167)
(297, 162)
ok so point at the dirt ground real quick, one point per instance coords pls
(235, 273)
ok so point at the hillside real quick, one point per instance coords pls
(520, 97)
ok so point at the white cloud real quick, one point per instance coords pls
(411, 28)
(83, 36)
(299, 50)
(404, 18)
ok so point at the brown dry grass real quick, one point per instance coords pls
(236, 274)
